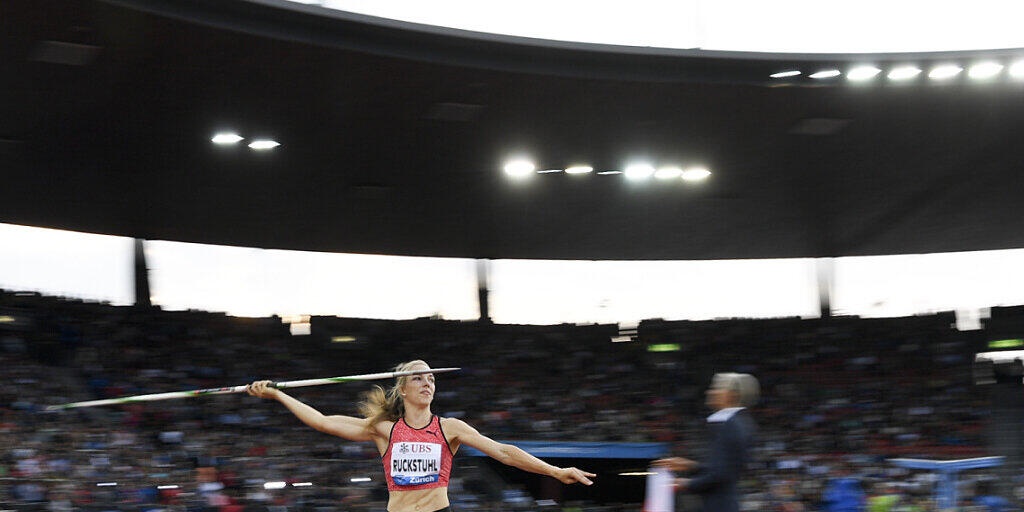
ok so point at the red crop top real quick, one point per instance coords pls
(417, 458)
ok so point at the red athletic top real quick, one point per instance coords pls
(417, 458)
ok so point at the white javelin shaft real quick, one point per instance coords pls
(241, 389)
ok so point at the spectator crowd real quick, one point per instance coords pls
(840, 396)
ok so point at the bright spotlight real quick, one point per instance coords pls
(984, 70)
(302, 484)
(519, 168)
(639, 171)
(944, 72)
(696, 174)
(666, 173)
(579, 169)
(785, 74)
(360, 479)
(903, 73)
(1017, 69)
(262, 144)
(828, 73)
(226, 138)
(862, 73)
(549, 171)
(606, 173)
(274, 485)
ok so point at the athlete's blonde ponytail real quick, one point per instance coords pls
(378, 405)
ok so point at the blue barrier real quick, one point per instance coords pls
(570, 450)
(945, 490)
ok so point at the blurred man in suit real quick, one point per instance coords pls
(732, 439)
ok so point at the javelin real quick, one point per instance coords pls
(241, 389)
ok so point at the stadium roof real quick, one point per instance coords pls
(393, 140)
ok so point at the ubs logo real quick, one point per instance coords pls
(403, 448)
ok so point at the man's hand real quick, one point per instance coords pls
(678, 464)
(573, 475)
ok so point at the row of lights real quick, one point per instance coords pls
(230, 139)
(980, 71)
(633, 172)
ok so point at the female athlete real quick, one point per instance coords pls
(416, 446)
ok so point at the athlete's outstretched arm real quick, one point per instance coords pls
(347, 427)
(460, 432)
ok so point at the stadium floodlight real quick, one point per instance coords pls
(607, 173)
(827, 73)
(785, 74)
(274, 485)
(639, 172)
(944, 72)
(226, 138)
(579, 169)
(302, 484)
(983, 70)
(903, 73)
(861, 73)
(264, 144)
(667, 173)
(166, 487)
(696, 174)
(549, 171)
(360, 479)
(519, 168)
(1017, 69)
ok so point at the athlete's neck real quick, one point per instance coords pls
(417, 417)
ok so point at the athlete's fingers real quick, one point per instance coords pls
(581, 476)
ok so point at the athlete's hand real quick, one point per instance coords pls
(262, 389)
(573, 475)
(675, 464)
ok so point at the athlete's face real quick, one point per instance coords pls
(419, 389)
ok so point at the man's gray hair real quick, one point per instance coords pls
(745, 385)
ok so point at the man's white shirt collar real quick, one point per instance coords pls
(723, 414)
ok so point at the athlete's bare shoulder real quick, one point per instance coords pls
(383, 429)
(453, 424)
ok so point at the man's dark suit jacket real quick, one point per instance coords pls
(731, 446)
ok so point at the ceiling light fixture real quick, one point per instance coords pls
(226, 138)
(984, 70)
(944, 72)
(827, 73)
(903, 73)
(519, 168)
(696, 174)
(262, 144)
(861, 73)
(639, 171)
(1017, 69)
(579, 169)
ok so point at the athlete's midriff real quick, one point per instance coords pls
(420, 500)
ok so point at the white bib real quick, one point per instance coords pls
(415, 463)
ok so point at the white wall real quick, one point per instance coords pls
(66, 263)
(258, 282)
(784, 26)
